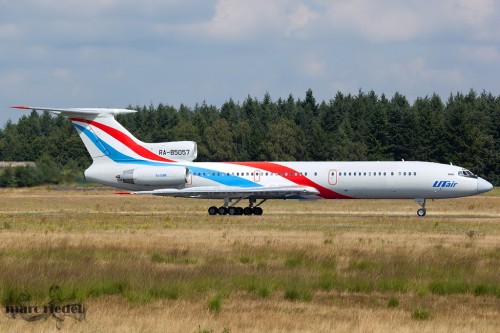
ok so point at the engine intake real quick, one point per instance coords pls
(154, 176)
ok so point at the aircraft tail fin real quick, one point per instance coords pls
(106, 139)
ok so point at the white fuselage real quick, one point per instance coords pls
(334, 180)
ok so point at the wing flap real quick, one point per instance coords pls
(217, 192)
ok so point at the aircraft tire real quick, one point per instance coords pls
(232, 210)
(213, 210)
(222, 210)
(257, 211)
(247, 211)
(421, 212)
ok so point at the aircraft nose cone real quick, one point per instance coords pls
(483, 185)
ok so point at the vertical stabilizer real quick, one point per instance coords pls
(97, 128)
(107, 140)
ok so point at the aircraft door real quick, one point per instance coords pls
(189, 180)
(256, 176)
(332, 177)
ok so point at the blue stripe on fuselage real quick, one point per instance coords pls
(116, 156)
(106, 149)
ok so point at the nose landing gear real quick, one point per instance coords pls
(421, 211)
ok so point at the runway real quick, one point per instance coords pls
(158, 264)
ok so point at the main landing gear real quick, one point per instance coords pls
(231, 210)
(421, 211)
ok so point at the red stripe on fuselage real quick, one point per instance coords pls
(125, 139)
(299, 179)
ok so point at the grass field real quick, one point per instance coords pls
(147, 264)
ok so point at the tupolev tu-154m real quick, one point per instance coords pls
(168, 169)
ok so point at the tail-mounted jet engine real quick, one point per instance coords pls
(154, 176)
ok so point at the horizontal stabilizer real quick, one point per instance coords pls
(78, 112)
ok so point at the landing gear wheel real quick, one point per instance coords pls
(226, 209)
(247, 211)
(421, 212)
(257, 211)
(213, 210)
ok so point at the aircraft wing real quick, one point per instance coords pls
(220, 192)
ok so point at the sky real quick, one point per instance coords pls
(115, 53)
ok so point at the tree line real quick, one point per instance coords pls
(463, 130)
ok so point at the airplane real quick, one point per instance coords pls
(168, 169)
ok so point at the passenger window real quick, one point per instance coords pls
(305, 173)
(414, 173)
(315, 173)
(392, 173)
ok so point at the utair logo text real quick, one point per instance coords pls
(444, 183)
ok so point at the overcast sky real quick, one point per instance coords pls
(112, 53)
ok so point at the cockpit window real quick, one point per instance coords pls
(466, 173)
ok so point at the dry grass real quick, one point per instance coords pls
(158, 264)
